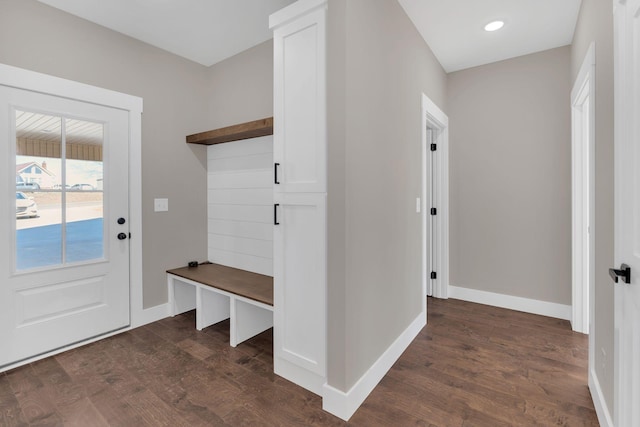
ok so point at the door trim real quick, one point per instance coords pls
(626, 55)
(434, 117)
(583, 157)
(37, 82)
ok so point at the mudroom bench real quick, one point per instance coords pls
(217, 293)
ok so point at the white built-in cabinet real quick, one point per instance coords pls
(300, 193)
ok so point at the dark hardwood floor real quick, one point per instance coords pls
(472, 365)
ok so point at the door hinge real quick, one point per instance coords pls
(434, 211)
(434, 275)
(433, 147)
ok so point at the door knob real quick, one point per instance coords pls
(121, 221)
(624, 272)
(122, 236)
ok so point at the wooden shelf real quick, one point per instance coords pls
(247, 130)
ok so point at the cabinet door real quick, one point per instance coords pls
(300, 146)
(300, 288)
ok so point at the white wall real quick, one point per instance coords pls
(240, 204)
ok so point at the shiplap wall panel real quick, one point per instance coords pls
(255, 161)
(246, 147)
(258, 178)
(241, 245)
(241, 196)
(244, 262)
(240, 200)
(251, 213)
(254, 230)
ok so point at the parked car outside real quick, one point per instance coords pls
(27, 186)
(59, 186)
(26, 207)
(82, 187)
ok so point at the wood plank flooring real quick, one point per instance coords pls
(473, 365)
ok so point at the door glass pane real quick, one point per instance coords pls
(84, 201)
(38, 195)
(59, 191)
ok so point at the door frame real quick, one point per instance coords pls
(434, 117)
(583, 186)
(37, 82)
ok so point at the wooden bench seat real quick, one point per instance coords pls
(218, 292)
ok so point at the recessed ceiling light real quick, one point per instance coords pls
(494, 26)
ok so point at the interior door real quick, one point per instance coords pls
(64, 269)
(627, 212)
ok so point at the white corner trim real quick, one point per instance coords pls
(602, 410)
(585, 72)
(543, 308)
(293, 11)
(583, 193)
(135, 220)
(344, 405)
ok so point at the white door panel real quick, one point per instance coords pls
(627, 211)
(300, 147)
(64, 276)
(299, 280)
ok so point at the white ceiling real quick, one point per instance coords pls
(204, 31)
(209, 31)
(454, 29)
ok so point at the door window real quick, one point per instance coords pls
(59, 194)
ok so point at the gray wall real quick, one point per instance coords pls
(510, 172)
(378, 68)
(241, 87)
(43, 39)
(180, 98)
(595, 24)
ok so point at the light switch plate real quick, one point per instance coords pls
(161, 205)
(418, 205)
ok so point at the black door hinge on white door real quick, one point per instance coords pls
(434, 211)
(433, 147)
(434, 275)
(624, 272)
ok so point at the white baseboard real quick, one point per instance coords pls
(150, 315)
(602, 410)
(344, 405)
(544, 308)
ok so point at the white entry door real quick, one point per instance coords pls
(64, 248)
(627, 212)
